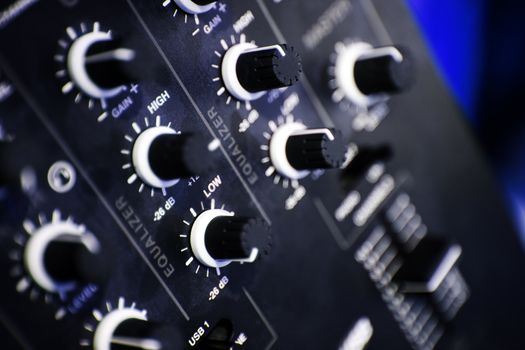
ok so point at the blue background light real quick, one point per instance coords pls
(479, 48)
(453, 29)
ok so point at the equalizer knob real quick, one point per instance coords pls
(367, 75)
(218, 238)
(195, 7)
(249, 71)
(296, 150)
(161, 156)
(60, 254)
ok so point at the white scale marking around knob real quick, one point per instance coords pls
(193, 8)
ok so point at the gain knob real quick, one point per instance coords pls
(60, 254)
(218, 237)
(295, 150)
(366, 75)
(95, 64)
(126, 327)
(195, 7)
(249, 71)
(161, 156)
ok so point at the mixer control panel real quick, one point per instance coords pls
(242, 175)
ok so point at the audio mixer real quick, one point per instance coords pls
(242, 174)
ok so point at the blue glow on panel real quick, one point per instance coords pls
(478, 47)
(453, 29)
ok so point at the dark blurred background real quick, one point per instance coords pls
(479, 46)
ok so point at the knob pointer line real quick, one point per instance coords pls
(75, 58)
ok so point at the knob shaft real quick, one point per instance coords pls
(384, 74)
(318, 150)
(174, 156)
(72, 261)
(367, 75)
(105, 64)
(269, 68)
(161, 156)
(248, 71)
(296, 150)
(218, 238)
(235, 238)
(204, 2)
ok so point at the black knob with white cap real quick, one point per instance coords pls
(296, 150)
(249, 71)
(316, 149)
(218, 238)
(195, 7)
(161, 156)
(61, 254)
(235, 238)
(367, 75)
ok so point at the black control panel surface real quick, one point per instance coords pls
(242, 174)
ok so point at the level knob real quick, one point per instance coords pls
(161, 156)
(367, 75)
(218, 238)
(95, 63)
(60, 254)
(195, 7)
(249, 71)
(126, 327)
(296, 150)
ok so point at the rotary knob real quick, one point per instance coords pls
(126, 327)
(295, 150)
(95, 63)
(195, 7)
(367, 75)
(219, 238)
(249, 71)
(60, 254)
(161, 156)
